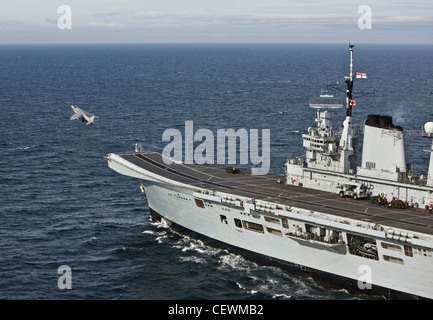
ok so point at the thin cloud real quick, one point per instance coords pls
(150, 14)
(13, 25)
(10, 25)
(106, 14)
(102, 25)
(225, 20)
(402, 19)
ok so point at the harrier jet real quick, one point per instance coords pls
(82, 115)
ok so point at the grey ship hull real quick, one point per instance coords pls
(257, 217)
(328, 280)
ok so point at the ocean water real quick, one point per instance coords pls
(61, 205)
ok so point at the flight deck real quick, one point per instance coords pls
(267, 188)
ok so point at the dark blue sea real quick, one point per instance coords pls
(60, 204)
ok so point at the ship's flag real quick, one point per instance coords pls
(361, 75)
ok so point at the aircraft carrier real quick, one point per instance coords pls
(366, 229)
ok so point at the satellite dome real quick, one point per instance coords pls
(428, 127)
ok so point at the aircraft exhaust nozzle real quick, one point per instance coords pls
(90, 121)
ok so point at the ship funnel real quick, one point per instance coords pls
(383, 152)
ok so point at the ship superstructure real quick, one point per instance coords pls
(304, 225)
(330, 160)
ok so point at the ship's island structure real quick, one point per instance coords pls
(362, 228)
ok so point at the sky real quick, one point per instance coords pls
(221, 21)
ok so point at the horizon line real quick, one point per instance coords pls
(209, 43)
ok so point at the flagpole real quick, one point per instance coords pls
(346, 146)
(349, 83)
